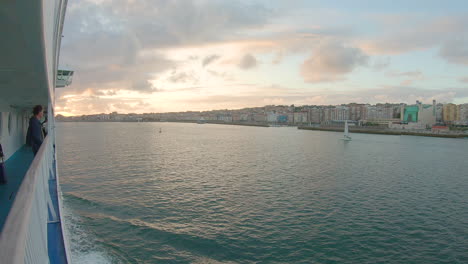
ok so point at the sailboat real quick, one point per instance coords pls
(346, 136)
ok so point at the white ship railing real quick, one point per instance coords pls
(24, 235)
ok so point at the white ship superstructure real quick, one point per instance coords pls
(32, 229)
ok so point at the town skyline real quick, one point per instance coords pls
(415, 116)
(142, 111)
(237, 109)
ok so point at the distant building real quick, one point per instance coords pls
(427, 114)
(282, 118)
(439, 111)
(272, 117)
(410, 113)
(315, 115)
(418, 116)
(327, 114)
(451, 113)
(340, 113)
(357, 111)
(290, 117)
(301, 117)
(236, 117)
(380, 112)
(224, 117)
(103, 117)
(463, 114)
(259, 117)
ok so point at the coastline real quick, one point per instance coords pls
(169, 121)
(384, 132)
(221, 123)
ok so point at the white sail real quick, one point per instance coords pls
(346, 133)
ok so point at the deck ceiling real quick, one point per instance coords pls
(23, 78)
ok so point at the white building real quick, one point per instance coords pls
(272, 117)
(379, 112)
(315, 115)
(301, 117)
(340, 113)
(463, 120)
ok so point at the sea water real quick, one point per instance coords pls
(234, 194)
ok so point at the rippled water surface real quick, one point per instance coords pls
(233, 194)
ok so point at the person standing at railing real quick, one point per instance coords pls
(35, 135)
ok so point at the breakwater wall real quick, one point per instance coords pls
(385, 132)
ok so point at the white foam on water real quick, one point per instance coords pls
(83, 245)
(91, 257)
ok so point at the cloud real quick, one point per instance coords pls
(330, 61)
(407, 33)
(119, 44)
(456, 50)
(251, 95)
(143, 86)
(182, 77)
(389, 94)
(104, 93)
(247, 62)
(278, 58)
(107, 60)
(226, 76)
(380, 63)
(209, 59)
(171, 47)
(410, 76)
(86, 103)
(167, 23)
(409, 94)
(236, 101)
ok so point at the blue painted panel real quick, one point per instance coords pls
(16, 167)
(56, 247)
(282, 118)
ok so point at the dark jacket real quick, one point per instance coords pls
(34, 136)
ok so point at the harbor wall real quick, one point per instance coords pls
(386, 132)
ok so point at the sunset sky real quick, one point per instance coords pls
(162, 56)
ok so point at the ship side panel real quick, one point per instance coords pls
(13, 127)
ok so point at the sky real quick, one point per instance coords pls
(141, 56)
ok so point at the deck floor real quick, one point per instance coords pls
(16, 167)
